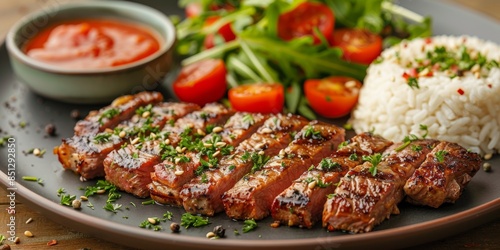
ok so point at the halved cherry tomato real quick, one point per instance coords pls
(303, 19)
(201, 82)
(225, 32)
(258, 98)
(332, 97)
(358, 45)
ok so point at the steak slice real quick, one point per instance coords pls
(204, 154)
(84, 154)
(180, 138)
(129, 168)
(302, 203)
(121, 109)
(252, 196)
(203, 194)
(368, 193)
(443, 176)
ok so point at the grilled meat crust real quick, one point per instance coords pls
(443, 176)
(129, 168)
(252, 196)
(121, 109)
(203, 194)
(302, 203)
(85, 154)
(363, 200)
(214, 146)
(187, 128)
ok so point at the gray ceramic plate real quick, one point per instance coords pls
(415, 225)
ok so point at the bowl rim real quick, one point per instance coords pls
(166, 43)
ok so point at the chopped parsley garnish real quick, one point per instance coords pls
(310, 132)
(328, 164)
(112, 207)
(204, 178)
(100, 185)
(61, 191)
(343, 144)
(413, 82)
(374, 159)
(34, 179)
(67, 199)
(102, 137)
(353, 157)
(154, 222)
(249, 225)
(141, 110)
(416, 148)
(330, 196)
(108, 114)
(248, 119)
(188, 220)
(440, 155)
(406, 141)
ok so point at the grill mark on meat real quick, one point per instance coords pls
(85, 154)
(302, 203)
(252, 196)
(207, 155)
(129, 168)
(187, 128)
(362, 200)
(442, 180)
(203, 194)
(121, 109)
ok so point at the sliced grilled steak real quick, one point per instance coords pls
(204, 154)
(252, 196)
(180, 139)
(203, 194)
(121, 109)
(443, 176)
(370, 193)
(84, 154)
(302, 203)
(129, 168)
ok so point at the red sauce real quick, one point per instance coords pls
(92, 44)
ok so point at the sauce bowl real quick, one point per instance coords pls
(99, 85)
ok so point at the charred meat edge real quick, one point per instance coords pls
(211, 115)
(203, 194)
(302, 203)
(252, 196)
(215, 145)
(121, 109)
(84, 154)
(363, 200)
(443, 176)
(129, 167)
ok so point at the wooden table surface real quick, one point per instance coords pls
(483, 237)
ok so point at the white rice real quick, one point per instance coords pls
(390, 107)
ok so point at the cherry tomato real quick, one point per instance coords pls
(258, 98)
(225, 32)
(332, 97)
(360, 46)
(201, 82)
(303, 19)
(193, 10)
